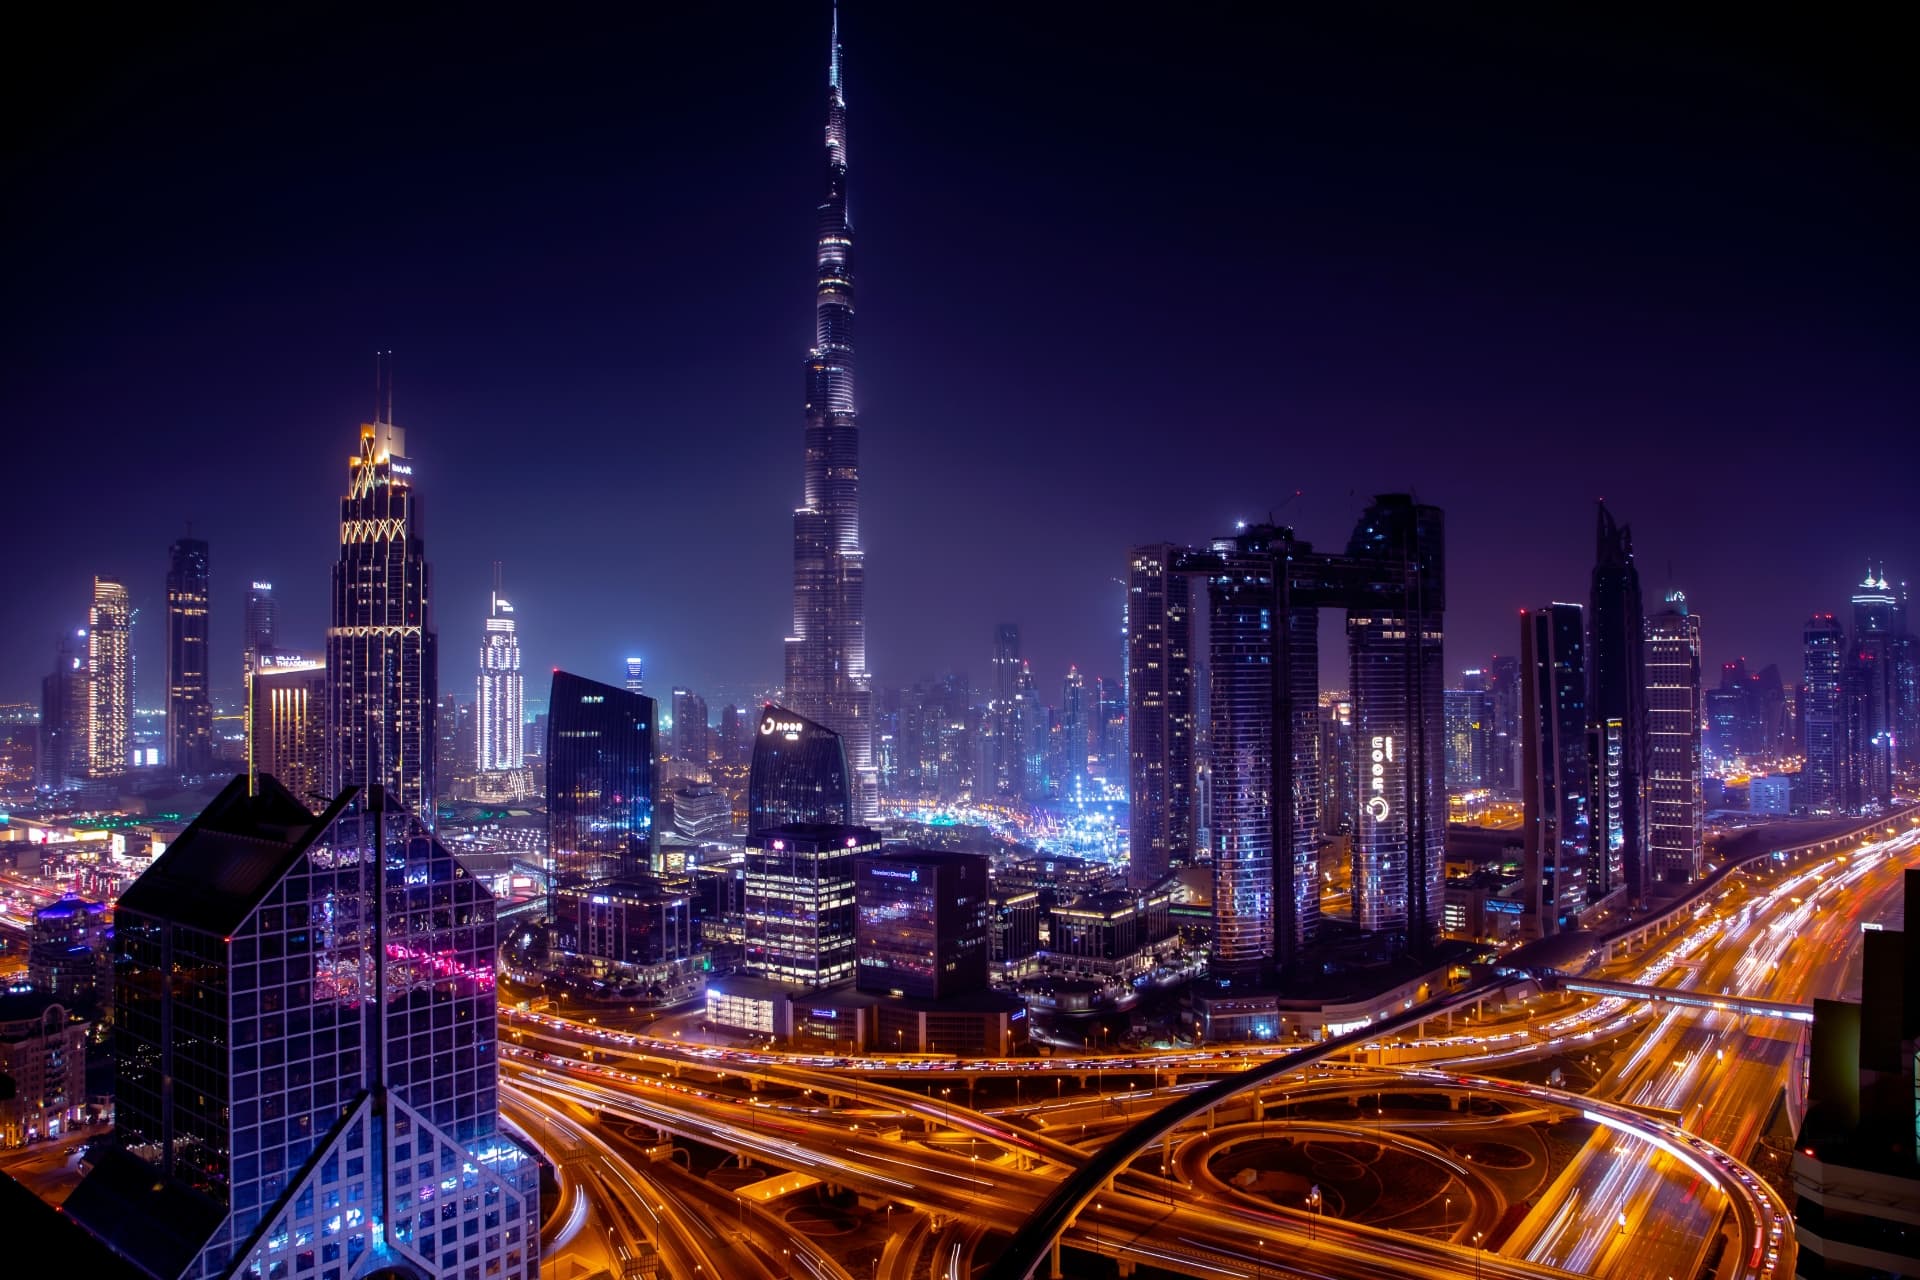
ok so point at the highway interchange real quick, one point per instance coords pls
(1659, 1187)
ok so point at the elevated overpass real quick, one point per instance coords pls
(1748, 1005)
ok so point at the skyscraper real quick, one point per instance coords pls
(1505, 693)
(1160, 713)
(305, 1043)
(1003, 713)
(1558, 774)
(262, 624)
(799, 773)
(498, 703)
(109, 680)
(1673, 741)
(287, 722)
(826, 656)
(1823, 725)
(692, 736)
(600, 783)
(1872, 692)
(189, 702)
(382, 653)
(65, 701)
(1395, 597)
(1617, 683)
(636, 676)
(798, 900)
(1466, 718)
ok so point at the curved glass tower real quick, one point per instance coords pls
(826, 656)
(799, 773)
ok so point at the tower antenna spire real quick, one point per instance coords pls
(833, 52)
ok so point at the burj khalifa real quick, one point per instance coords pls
(826, 676)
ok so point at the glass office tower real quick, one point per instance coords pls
(1558, 775)
(799, 773)
(189, 701)
(600, 783)
(305, 1041)
(798, 901)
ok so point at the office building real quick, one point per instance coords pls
(1673, 742)
(636, 676)
(692, 740)
(189, 698)
(1505, 694)
(68, 952)
(1617, 690)
(62, 758)
(1872, 692)
(1607, 808)
(109, 680)
(1339, 766)
(800, 773)
(798, 902)
(923, 923)
(1005, 733)
(500, 707)
(1465, 711)
(287, 722)
(631, 926)
(1160, 713)
(1555, 786)
(702, 812)
(1395, 596)
(287, 1106)
(826, 656)
(261, 619)
(1856, 1175)
(382, 653)
(600, 784)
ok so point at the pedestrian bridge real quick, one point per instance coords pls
(1690, 999)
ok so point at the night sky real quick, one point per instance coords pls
(1123, 275)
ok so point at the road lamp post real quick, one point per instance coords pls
(1313, 1209)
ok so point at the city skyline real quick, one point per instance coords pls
(1452, 427)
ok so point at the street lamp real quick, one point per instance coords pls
(1313, 1206)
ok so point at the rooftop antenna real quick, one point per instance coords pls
(496, 579)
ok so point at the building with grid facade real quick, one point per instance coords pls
(382, 653)
(1673, 742)
(189, 700)
(306, 1061)
(799, 902)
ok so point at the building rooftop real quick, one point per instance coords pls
(213, 876)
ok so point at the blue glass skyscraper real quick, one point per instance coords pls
(600, 783)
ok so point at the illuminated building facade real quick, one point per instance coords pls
(1394, 590)
(287, 722)
(382, 653)
(636, 676)
(923, 923)
(826, 656)
(189, 700)
(109, 680)
(68, 951)
(1606, 826)
(1872, 692)
(1673, 742)
(43, 1054)
(1558, 774)
(800, 773)
(1007, 750)
(1160, 713)
(1823, 720)
(261, 632)
(1466, 721)
(304, 1037)
(798, 902)
(600, 784)
(1617, 689)
(499, 708)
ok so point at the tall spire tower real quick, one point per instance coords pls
(827, 676)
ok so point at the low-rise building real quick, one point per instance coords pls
(43, 1049)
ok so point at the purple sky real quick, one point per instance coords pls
(1119, 279)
